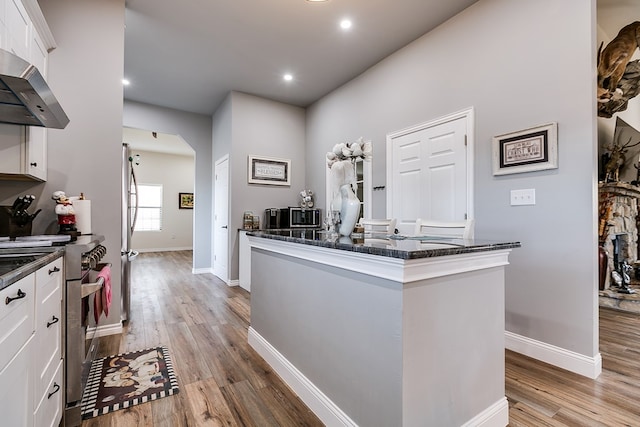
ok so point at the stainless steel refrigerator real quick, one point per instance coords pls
(129, 214)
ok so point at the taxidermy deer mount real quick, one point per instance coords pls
(616, 159)
(618, 76)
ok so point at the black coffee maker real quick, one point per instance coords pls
(272, 218)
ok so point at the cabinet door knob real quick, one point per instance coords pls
(56, 388)
(34, 164)
(55, 270)
(20, 296)
(54, 320)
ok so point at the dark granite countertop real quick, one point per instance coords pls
(394, 246)
(17, 263)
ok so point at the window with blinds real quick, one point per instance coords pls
(149, 207)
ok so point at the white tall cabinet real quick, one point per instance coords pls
(31, 383)
(24, 32)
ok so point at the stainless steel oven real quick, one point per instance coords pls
(82, 263)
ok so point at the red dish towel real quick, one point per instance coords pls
(102, 298)
(106, 289)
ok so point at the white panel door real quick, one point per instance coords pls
(221, 221)
(428, 177)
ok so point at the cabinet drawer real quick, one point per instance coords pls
(16, 317)
(50, 272)
(49, 409)
(48, 323)
(16, 392)
(48, 335)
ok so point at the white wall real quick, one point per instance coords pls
(195, 129)
(518, 64)
(176, 174)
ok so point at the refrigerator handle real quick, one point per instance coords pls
(135, 207)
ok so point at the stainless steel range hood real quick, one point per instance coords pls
(25, 97)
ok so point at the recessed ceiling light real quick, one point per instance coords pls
(345, 24)
(125, 82)
(288, 77)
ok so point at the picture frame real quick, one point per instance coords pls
(269, 170)
(528, 150)
(185, 200)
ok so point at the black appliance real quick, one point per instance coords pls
(272, 218)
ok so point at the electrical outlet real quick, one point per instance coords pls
(523, 197)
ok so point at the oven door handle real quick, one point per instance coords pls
(92, 288)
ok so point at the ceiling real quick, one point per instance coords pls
(146, 140)
(189, 55)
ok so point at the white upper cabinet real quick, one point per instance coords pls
(18, 27)
(24, 32)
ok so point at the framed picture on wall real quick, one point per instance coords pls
(185, 200)
(527, 150)
(268, 170)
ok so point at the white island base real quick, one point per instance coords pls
(374, 340)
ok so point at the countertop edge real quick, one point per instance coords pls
(347, 244)
(22, 272)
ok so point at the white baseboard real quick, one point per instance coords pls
(105, 330)
(202, 270)
(234, 282)
(590, 367)
(185, 248)
(328, 412)
(496, 415)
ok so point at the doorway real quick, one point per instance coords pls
(221, 220)
(164, 164)
(429, 170)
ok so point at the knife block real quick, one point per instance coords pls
(9, 228)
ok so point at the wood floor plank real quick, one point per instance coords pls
(223, 382)
(192, 365)
(208, 405)
(246, 405)
(224, 369)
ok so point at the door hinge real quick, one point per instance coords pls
(465, 216)
(465, 140)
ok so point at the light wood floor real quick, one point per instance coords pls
(224, 382)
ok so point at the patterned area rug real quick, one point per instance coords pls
(124, 380)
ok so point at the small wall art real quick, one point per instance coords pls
(185, 200)
(527, 150)
(267, 170)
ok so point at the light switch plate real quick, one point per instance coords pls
(523, 197)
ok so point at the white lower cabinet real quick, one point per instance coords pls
(16, 392)
(31, 374)
(16, 352)
(244, 261)
(48, 358)
(49, 410)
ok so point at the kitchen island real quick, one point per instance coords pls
(383, 332)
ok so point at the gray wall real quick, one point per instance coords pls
(259, 127)
(342, 330)
(195, 129)
(85, 73)
(176, 174)
(495, 57)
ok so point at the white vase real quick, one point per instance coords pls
(349, 210)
